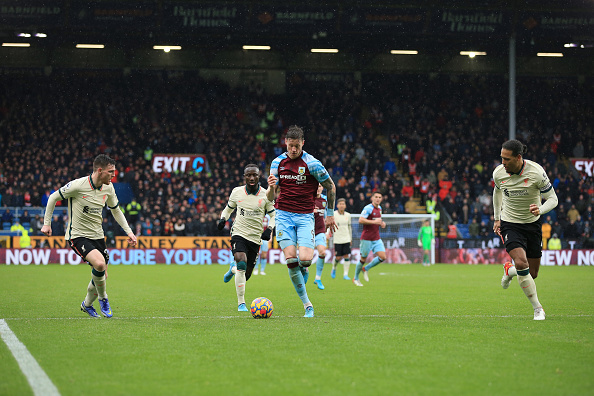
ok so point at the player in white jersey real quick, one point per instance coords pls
(246, 233)
(342, 239)
(86, 198)
(520, 185)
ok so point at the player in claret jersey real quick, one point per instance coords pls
(293, 181)
(371, 218)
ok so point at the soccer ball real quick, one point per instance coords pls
(261, 308)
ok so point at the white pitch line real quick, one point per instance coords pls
(37, 378)
(317, 316)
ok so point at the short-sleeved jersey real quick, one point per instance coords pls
(371, 231)
(520, 190)
(344, 233)
(298, 180)
(85, 207)
(251, 209)
(320, 214)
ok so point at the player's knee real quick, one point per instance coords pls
(292, 262)
(305, 263)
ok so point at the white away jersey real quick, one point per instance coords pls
(251, 209)
(85, 207)
(344, 233)
(520, 190)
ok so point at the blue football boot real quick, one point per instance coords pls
(105, 308)
(229, 274)
(318, 282)
(242, 308)
(333, 274)
(309, 312)
(89, 310)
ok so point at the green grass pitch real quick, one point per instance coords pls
(445, 329)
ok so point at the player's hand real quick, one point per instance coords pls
(534, 209)
(497, 227)
(132, 240)
(271, 180)
(330, 224)
(266, 234)
(47, 230)
(419, 243)
(383, 224)
(221, 224)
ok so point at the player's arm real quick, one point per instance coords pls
(366, 221)
(273, 187)
(550, 203)
(58, 195)
(231, 206)
(328, 184)
(497, 201)
(271, 223)
(121, 219)
(419, 237)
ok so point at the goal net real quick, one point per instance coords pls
(400, 237)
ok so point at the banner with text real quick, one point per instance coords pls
(470, 22)
(384, 20)
(32, 13)
(110, 15)
(183, 163)
(584, 165)
(558, 23)
(294, 18)
(118, 256)
(204, 16)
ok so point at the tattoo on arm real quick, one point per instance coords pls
(331, 191)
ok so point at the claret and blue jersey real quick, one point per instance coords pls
(298, 181)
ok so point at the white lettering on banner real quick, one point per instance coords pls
(225, 257)
(27, 256)
(585, 257)
(556, 257)
(584, 165)
(178, 163)
(168, 254)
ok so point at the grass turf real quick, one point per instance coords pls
(446, 329)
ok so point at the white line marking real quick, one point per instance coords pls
(317, 316)
(37, 378)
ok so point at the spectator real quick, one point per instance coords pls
(546, 231)
(57, 226)
(555, 243)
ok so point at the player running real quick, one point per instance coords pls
(294, 177)
(371, 218)
(425, 239)
(87, 196)
(342, 239)
(246, 233)
(519, 185)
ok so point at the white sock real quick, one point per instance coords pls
(100, 285)
(529, 287)
(334, 264)
(91, 294)
(346, 265)
(240, 286)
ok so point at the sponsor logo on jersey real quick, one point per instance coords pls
(294, 177)
(88, 210)
(515, 193)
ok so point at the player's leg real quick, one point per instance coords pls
(365, 248)
(321, 248)
(526, 281)
(240, 280)
(286, 235)
(99, 264)
(304, 231)
(380, 256)
(346, 264)
(263, 257)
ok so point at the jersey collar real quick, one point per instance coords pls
(93, 184)
(248, 193)
(521, 169)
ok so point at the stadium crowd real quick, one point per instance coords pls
(412, 137)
